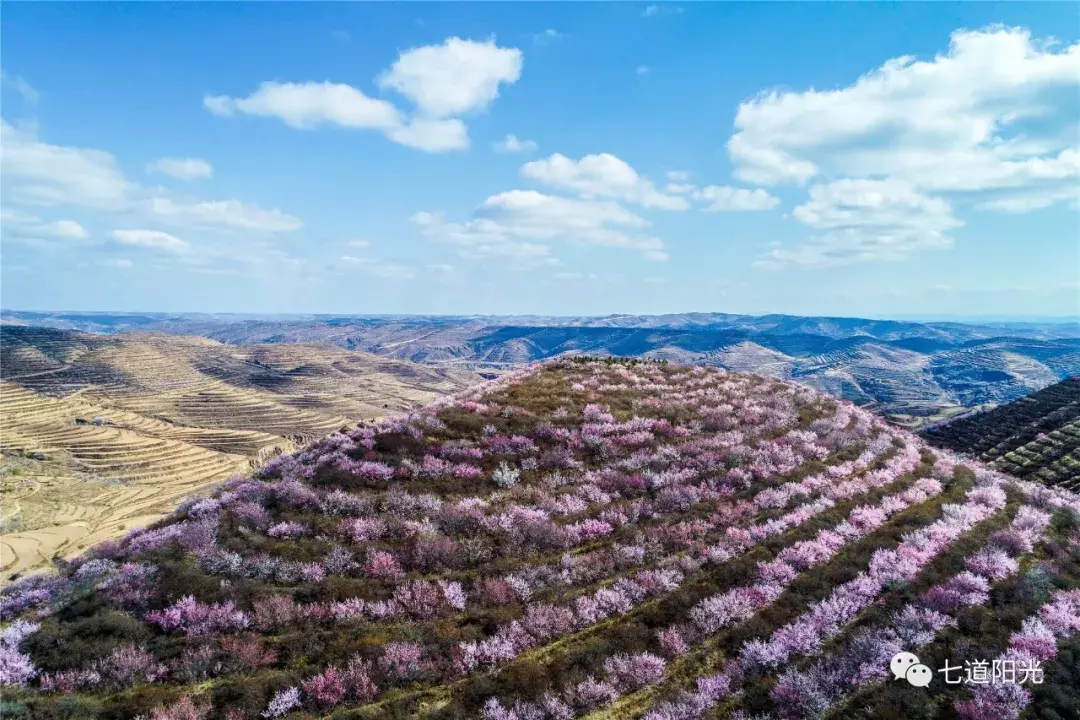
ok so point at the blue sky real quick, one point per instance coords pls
(845, 159)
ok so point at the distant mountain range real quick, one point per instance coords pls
(915, 372)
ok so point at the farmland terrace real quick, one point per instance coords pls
(594, 539)
(1036, 437)
(103, 434)
(915, 373)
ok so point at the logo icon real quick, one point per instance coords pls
(919, 675)
(906, 666)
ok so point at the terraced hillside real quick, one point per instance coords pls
(102, 434)
(1036, 437)
(580, 539)
(916, 373)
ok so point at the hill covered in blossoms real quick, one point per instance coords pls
(580, 539)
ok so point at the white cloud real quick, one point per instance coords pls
(29, 95)
(182, 168)
(37, 173)
(678, 176)
(642, 70)
(679, 188)
(511, 144)
(866, 220)
(601, 176)
(456, 77)
(359, 243)
(654, 10)
(1025, 202)
(732, 199)
(19, 225)
(574, 276)
(431, 135)
(515, 223)
(223, 214)
(997, 111)
(547, 36)
(151, 239)
(442, 81)
(120, 263)
(306, 106)
(66, 229)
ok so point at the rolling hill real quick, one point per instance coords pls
(104, 433)
(916, 373)
(581, 539)
(1036, 437)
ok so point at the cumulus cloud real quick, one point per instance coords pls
(733, 199)
(119, 263)
(182, 168)
(38, 173)
(41, 175)
(866, 220)
(511, 144)
(457, 77)
(991, 122)
(441, 81)
(306, 106)
(431, 135)
(151, 239)
(601, 176)
(518, 224)
(997, 110)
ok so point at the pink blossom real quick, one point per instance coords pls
(992, 563)
(1062, 614)
(282, 702)
(288, 530)
(128, 665)
(590, 694)
(672, 642)
(381, 564)
(325, 690)
(419, 598)
(630, 672)
(67, 681)
(1035, 639)
(402, 659)
(15, 667)
(195, 619)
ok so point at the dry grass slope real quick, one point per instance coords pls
(102, 434)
